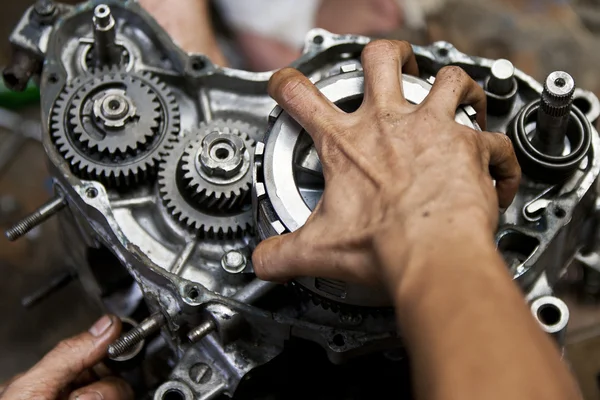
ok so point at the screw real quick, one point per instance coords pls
(37, 217)
(199, 332)
(200, 373)
(44, 8)
(127, 341)
(233, 262)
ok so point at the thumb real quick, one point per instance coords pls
(62, 365)
(280, 258)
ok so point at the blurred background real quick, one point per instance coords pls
(538, 36)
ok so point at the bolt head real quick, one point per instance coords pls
(222, 154)
(233, 262)
(200, 373)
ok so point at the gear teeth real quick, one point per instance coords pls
(185, 210)
(115, 164)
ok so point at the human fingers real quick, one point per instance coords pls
(281, 258)
(110, 388)
(383, 62)
(297, 95)
(6, 384)
(452, 88)
(65, 362)
(503, 164)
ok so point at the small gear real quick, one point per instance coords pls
(113, 126)
(183, 204)
(217, 165)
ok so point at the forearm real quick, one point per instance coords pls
(467, 328)
(189, 24)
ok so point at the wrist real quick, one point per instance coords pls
(411, 257)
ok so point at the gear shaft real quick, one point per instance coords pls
(554, 113)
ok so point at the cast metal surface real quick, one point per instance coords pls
(161, 161)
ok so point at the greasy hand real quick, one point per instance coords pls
(71, 364)
(399, 177)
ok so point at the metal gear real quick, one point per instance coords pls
(113, 126)
(217, 164)
(307, 295)
(182, 205)
(115, 114)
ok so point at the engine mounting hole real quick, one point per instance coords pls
(339, 340)
(443, 52)
(318, 39)
(193, 293)
(91, 193)
(549, 314)
(173, 394)
(198, 64)
(52, 78)
(560, 212)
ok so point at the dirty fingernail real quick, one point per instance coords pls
(89, 396)
(101, 326)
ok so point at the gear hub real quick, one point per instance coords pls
(206, 178)
(113, 126)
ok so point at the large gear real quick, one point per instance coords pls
(113, 126)
(225, 184)
(184, 204)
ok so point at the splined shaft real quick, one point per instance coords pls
(554, 113)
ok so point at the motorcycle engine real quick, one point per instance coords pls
(169, 170)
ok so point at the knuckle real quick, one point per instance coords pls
(284, 82)
(379, 48)
(453, 72)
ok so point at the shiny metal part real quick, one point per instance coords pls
(34, 219)
(105, 36)
(128, 342)
(553, 316)
(554, 113)
(233, 262)
(226, 321)
(501, 80)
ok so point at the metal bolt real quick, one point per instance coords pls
(201, 331)
(200, 373)
(37, 217)
(127, 341)
(501, 80)
(233, 262)
(44, 8)
(554, 113)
